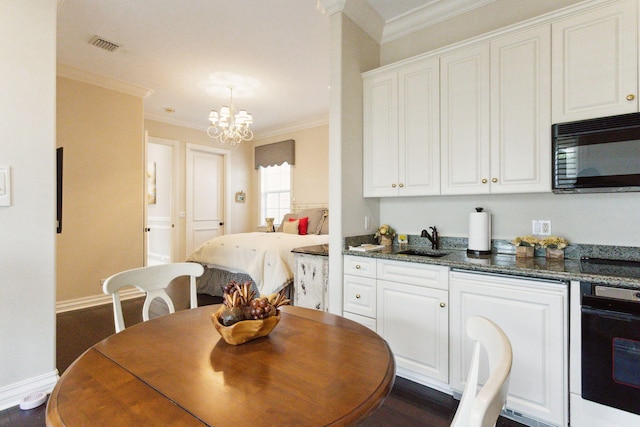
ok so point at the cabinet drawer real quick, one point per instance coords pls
(432, 276)
(364, 321)
(360, 295)
(359, 266)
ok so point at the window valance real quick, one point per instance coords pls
(275, 154)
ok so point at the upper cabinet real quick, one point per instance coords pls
(475, 117)
(402, 131)
(465, 121)
(595, 63)
(496, 116)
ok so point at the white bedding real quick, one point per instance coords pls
(266, 257)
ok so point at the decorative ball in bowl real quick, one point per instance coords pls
(243, 317)
(244, 330)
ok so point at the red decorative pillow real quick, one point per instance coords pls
(302, 225)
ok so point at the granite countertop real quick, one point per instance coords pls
(538, 267)
(322, 250)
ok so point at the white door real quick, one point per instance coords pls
(161, 200)
(205, 194)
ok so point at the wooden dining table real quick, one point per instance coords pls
(313, 369)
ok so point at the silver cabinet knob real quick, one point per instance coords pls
(443, 305)
(393, 185)
(357, 266)
(401, 185)
(357, 296)
(494, 180)
(484, 180)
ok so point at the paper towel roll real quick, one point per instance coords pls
(479, 231)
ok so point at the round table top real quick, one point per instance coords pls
(314, 368)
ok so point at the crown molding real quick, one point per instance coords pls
(361, 13)
(102, 81)
(260, 134)
(293, 127)
(333, 6)
(427, 15)
(163, 118)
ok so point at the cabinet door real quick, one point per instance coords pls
(533, 316)
(380, 135)
(521, 112)
(595, 63)
(464, 116)
(419, 129)
(413, 320)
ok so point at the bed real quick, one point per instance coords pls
(262, 258)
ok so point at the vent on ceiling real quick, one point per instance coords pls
(98, 41)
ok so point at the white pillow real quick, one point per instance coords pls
(291, 227)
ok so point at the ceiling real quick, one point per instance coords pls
(274, 53)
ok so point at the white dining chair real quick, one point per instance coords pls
(482, 408)
(153, 280)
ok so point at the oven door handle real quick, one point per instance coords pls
(612, 305)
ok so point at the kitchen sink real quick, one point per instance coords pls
(422, 252)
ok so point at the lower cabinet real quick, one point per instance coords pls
(533, 314)
(407, 304)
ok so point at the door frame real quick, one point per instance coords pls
(190, 149)
(175, 168)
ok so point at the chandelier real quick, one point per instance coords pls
(230, 127)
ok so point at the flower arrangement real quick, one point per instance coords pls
(385, 231)
(553, 242)
(530, 241)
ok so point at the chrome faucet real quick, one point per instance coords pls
(433, 238)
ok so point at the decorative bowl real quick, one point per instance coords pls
(245, 330)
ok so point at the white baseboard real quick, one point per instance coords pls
(12, 394)
(92, 301)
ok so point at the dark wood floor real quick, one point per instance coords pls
(409, 404)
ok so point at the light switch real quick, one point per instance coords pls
(5, 186)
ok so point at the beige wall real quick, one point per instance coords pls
(310, 175)
(241, 159)
(102, 232)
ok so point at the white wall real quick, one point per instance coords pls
(352, 52)
(27, 228)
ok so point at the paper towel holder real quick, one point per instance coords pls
(480, 253)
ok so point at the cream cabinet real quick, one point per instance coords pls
(496, 116)
(595, 63)
(533, 314)
(412, 316)
(401, 148)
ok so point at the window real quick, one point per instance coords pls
(275, 191)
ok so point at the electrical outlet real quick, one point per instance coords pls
(541, 227)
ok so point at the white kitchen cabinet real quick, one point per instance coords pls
(401, 148)
(595, 63)
(465, 131)
(521, 112)
(533, 314)
(359, 287)
(311, 277)
(496, 115)
(412, 316)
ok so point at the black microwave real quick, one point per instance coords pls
(597, 155)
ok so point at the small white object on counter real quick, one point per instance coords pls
(366, 247)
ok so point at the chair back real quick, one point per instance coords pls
(482, 408)
(153, 280)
